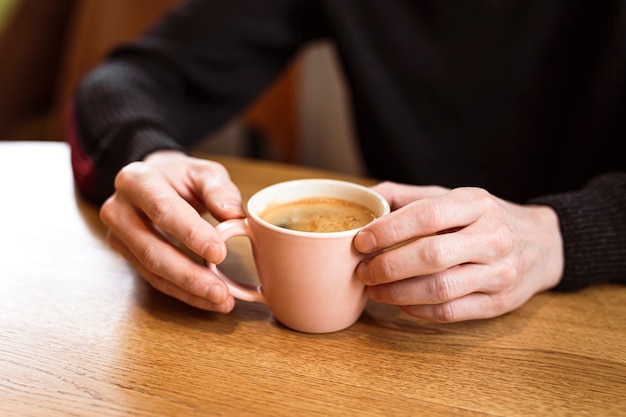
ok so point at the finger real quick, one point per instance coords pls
(474, 306)
(434, 254)
(399, 195)
(217, 191)
(464, 292)
(154, 197)
(427, 216)
(212, 296)
(439, 287)
(202, 183)
(154, 254)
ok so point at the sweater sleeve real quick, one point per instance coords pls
(593, 226)
(196, 69)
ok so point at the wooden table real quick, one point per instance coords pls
(82, 334)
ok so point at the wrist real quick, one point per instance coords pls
(549, 233)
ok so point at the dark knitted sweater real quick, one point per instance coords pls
(526, 98)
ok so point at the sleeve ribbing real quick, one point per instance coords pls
(593, 227)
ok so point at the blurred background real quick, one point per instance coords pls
(47, 45)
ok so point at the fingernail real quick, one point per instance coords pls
(365, 241)
(233, 207)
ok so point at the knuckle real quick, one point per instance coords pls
(508, 275)
(107, 214)
(485, 200)
(128, 173)
(160, 210)
(443, 288)
(393, 234)
(500, 302)
(436, 254)
(211, 172)
(151, 258)
(384, 269)
(444, 313)
(481, 195)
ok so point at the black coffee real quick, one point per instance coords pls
(318, 214)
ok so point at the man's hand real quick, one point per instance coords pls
(461, 254)
(162, 198)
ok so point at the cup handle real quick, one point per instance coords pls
(239, 290)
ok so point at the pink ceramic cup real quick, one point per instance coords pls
(307, 279)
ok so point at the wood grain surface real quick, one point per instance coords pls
(82, 334)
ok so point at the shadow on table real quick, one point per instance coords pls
(389, 325)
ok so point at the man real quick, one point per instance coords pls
(506, 116)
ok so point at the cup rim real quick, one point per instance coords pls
(385, 208)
